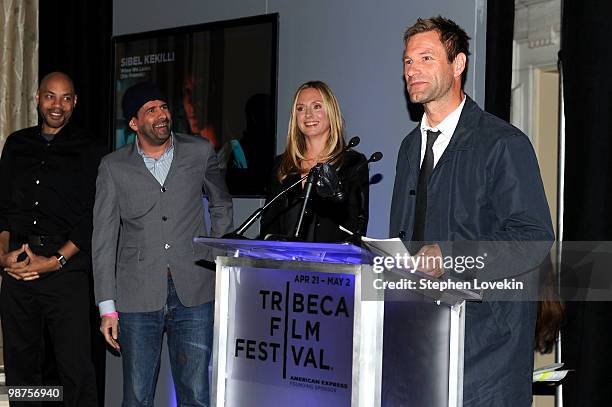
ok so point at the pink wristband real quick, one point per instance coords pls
(114, 314)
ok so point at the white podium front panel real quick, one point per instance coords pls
(285, 333)
(308, 330)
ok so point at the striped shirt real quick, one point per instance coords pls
(159, 168)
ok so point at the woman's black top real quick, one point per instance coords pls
(325, 213)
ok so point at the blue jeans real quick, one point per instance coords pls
(190, 332)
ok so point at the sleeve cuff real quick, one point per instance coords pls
(106, 307)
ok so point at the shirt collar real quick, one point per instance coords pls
(168, 149)
(64, 131)
(448, 125)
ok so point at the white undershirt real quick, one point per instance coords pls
(446, 128)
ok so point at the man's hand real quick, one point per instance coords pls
(108, 327)
(9, 259)
(428, 260)
(33, 266)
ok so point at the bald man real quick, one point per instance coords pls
(49, 173)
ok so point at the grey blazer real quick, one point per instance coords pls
(142, 228)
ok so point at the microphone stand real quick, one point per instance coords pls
(238, 233)
(313, 176)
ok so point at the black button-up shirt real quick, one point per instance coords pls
(49, 187)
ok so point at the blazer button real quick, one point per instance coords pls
(164, 218)
(402, 234)
(163, 189)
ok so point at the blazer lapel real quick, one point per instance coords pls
(411, 172)
(414, 152)
(462, 137)
(175, 153)
(137, 162)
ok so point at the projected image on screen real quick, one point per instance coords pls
(220, 83)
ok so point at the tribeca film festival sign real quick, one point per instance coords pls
(290, 338)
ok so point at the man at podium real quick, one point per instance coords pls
(465, 175)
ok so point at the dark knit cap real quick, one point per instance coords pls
(138, 95)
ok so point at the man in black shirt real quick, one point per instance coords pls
(49, 173)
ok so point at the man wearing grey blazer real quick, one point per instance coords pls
(147, 211)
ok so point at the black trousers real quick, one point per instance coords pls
(60, 303)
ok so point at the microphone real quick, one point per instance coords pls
(238, 233)
(377, 156)
(353, 142)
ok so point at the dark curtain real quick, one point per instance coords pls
(75, 38)
(498, 74)
(585, 58)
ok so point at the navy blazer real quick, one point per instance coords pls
(486, 187)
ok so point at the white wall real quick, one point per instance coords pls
(353, 45)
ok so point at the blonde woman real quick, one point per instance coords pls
(316, 135)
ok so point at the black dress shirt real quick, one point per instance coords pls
(49, 188)
(322, 226)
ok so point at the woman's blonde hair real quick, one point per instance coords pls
(296, 144)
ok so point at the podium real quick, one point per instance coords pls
(304, 324)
